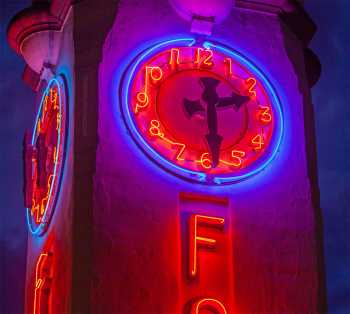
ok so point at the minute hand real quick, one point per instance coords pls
(211, 97)
(213, 138)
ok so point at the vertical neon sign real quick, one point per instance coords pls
(212, 305)
(196, 240)
(207, 285)
(42, 283)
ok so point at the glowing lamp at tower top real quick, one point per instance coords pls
(217, 10)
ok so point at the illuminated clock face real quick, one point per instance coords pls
(201, 111)
(44, 157)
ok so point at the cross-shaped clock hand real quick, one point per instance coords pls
(213, 101)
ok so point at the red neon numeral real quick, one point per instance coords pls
(42, 282)
(207, 61)
(209, 304)
(38, 210)
(54, 154)
(252, 82)
(237, 159)
(203, 57)
(258, 141)
(154, 130)
(53, 98)
(44, 109)
(198, 55)
(58, 121)
(237, 156)
(38, 127)
(35, 211)
(153, 73)
(142, 101)
(53, 102)
(196, 239)
(205, 161)
(174, 56)
(228, 62)
(264, 114)
(181, 151)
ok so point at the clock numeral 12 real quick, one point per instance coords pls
(203, 57)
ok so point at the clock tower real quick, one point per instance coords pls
(172, 164)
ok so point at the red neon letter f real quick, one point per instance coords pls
(196, 239)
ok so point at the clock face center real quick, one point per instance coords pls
(183, 110)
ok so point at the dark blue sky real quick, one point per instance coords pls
(331, 98)
(16, 115)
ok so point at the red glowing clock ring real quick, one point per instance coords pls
(51, 124)
(146, 98)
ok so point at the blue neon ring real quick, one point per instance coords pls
(41, 228)
(196, 176)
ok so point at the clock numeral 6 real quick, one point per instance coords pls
(205, 161)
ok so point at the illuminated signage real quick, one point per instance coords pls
(44, 155)
(42, 283)
(195, 239)
(202, 111)
(213, 305)
(207, 274)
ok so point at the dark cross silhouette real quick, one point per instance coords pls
(213, 101)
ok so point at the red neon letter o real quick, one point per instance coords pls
(210, 304)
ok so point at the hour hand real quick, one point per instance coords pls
(236, 100)
(192, 107)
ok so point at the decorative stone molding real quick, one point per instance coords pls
(34, 33)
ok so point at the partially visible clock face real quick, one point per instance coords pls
(44, 157)
(202, 112)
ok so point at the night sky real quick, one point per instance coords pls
(331, 98)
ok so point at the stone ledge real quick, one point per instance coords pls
(32, 25)
(291, 13)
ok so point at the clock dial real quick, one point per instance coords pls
(44, 157)
(203, 112)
